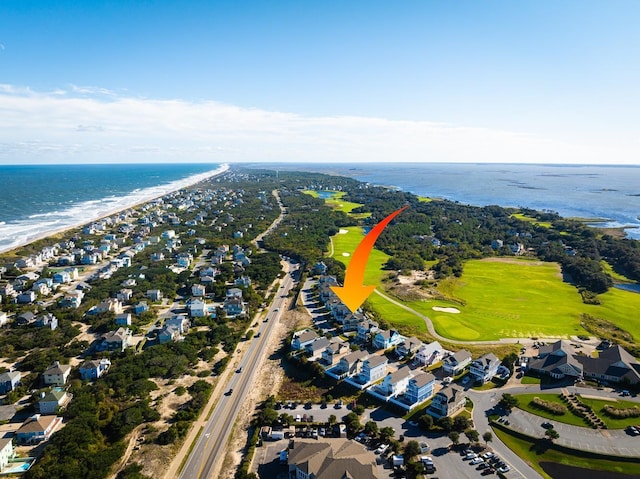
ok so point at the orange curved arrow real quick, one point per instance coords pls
(354, 292)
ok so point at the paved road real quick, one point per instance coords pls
(209, 449)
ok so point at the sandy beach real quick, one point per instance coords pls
(173, 186)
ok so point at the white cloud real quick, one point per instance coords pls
(90, 124)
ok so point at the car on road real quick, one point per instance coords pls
(276, 310)
(230, 392)
(257, 335)
(547, 425)
(504, 469)
(239, 370)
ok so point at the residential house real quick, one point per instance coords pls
(57, 374)
(123, 319)
(168, 333)
(154, 294)
(455, 363)
(124, 295)
(243, 281)
(72, 299)
(198, 290)
(366, 330)
(62, 277)
(52, 401)
(140, 307)
(26, 319)
(26, 297)
(117, 340)
(37, 429)
(351, 322)
(349, 365)
(420, 388)
(90, 370)
(394, 383)
(47, 320)
(7, 291)
(112, 305)
(9, 381)
(233, 307)
(448, 401)
(197, 308)
(373, 369)
(41, 289)
(180, 322)
(408, 346)
(234, 293)
(209, 272)
(315, 349)
(6, 451)
(387, 339)
(331, 458)
(557, 361)
(302, 338)
(336, 349)
(484, 368)
(613, 365)
(429, 354)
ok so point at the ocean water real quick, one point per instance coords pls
(586, 191)
(39, 199)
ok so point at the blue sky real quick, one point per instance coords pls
(531, 81)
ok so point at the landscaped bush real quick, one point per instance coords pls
(621, 413)
(552, 407)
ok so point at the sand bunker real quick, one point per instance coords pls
(343, 232)
(446, 310)
(346, 254)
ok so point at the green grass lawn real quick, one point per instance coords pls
(598, 404)
(337, 203)
(529, 219)
(512, 298)
(533, 455)
(567, 418)
(530, 380)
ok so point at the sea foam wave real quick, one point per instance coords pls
(18, 233)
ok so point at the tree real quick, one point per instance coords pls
(332, 419)
(358, 409)
(487, 437)
(371, 428)
(472, 435)
(425, 422)
(386, 433)
(411, 450)
(460, 423)
(446, 423)
(508, 401)
(552, 434)
(455, 437)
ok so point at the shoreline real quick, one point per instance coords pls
(195, 180)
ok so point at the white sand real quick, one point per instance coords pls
(446, 310)
(346, 254)
(343, 232)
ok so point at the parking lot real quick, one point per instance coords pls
(448, 463)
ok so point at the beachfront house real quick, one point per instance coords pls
(366, 329)
(394, 383)
(448, 401)
(429, 354)
(484, 368)
(6, 451)
(387, 339)
(408, 346)
(455, 363)
(420, 388)
(302, 338)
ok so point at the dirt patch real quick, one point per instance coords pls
(414, 277)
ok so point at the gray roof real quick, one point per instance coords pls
(614, 362)
(333, 459)
(423, 379)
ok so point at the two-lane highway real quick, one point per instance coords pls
(209, 449)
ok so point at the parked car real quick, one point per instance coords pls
(424, 447)
(504, 469)
(476, 460)
(487, 455)
(488, 470)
